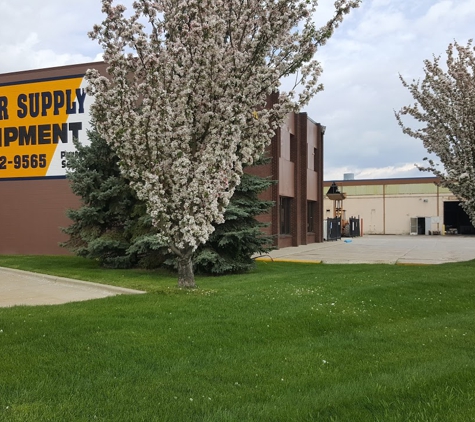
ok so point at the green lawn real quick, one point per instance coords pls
(288, 342)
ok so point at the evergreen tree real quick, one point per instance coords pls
(113, 227)
(231, 246)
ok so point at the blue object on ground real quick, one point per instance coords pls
(347, 240)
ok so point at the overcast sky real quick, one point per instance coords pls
(360, 63)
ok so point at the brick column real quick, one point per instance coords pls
(320, 211)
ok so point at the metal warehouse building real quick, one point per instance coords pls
(401, 206)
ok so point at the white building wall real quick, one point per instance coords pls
(388, 209)
(400, 209)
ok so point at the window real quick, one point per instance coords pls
(311, 208)
(293, 148)
(285, 204)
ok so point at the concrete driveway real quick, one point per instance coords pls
(374, 249)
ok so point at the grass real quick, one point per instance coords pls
(287, 342)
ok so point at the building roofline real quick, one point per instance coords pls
(389, 181)
(54, 68)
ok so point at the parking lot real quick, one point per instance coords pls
(383, 249)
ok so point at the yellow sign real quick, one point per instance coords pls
(38, 122)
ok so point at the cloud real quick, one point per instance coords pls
(388, 172)
(48, 33)
(25, 55)
(361, 63)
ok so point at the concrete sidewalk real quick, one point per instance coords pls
(374, 249)
(26, 288)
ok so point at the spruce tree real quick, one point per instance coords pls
(113, 227)
(231, 246)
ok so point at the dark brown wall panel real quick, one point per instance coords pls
(52, 72)
(31, 214)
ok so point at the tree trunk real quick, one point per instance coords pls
(186, 277)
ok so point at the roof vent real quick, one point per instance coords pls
(349, 176)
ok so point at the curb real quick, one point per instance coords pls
(295, 261)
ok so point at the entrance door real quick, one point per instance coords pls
(421, 225)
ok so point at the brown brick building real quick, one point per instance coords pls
(297, 165)
(42, 110)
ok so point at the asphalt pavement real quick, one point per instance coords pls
(26, 288)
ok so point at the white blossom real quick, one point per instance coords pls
(186, 100)
(445, 106)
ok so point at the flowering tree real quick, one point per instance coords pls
(186, 104)
(445, 105)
